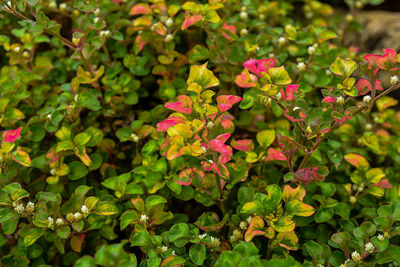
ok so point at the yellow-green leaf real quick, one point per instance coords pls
(266, 137)
(343, 67)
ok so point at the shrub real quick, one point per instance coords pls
(172, 133)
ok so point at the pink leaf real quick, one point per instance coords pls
(384, 183)
(141, 8)
(363, 86)
(190, 20)
(242, 145)
(167, 123)
(11, 135)
(290, 90)
(186, 176)
(328, 99)
(301, 115)
(225, 102)
(308, 175)
(273, 154)
(230, 28)
(388, 60)
(258, 66)
(245, 79)
(184, 105)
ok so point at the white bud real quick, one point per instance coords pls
(244, 32)
(201, 237)
(296, 108)
(249, 219)
(77, 216)
(96, 12)
(214, 242)
(309, 131)
(17, 49)
(63, 6)
(96, 19)
(328, 72)
(204, 149)
(134, 137)
(143, 218)
(173, 253)
(282, 40)
(369, 247)
(105, 33)
(30, 206)
(210, 124)
(394, 80)
(169, 22)
(49, 116)
(271, 55)
(301, 66)
(367, 99)
(340, 100)
(368, 126)
(26, 54)
(349, 17)
(355, 256)
(19, 208)
(353, 199)
(50, 222)
(278, 96)
(261, 16)
(52, 4)
(59, 222)
(84, 209)
(381, 237)
(9, 3)
(210, 161)
(164, 249)
(243, 225)
(243, 9)
(168, 38)
(244, 15)
(311, 50)
(53, 172)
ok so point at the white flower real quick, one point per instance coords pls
(17, 49)
(96, 19)
(296, 108)
(355, 256)
(164, 249)
(134, 137)
(49, 116)
(168, 38)
(328, 72)
(214, 241)
(59, 222)
(311, 50)
(70, 217)
(210, 161)
(204, 149)
(271, 55)
(173, 253)
(202, 236)
(340, 100)
(50, 222)
(394, 79)
(278, 96)
(301, 66)
(30, 206)
(381, 237)
(369, 247)
(244, 15)
(249, 219)
(244, 32)
(367, 99)
(143, 218)
(236, 233)
(96, 12)
(53, 172)
(210, 124)
(19, 208)
(77, 216)
(243, 225)
(52, 4)
(105, 33)
(63, 6)
(282, 40)
(84, 209)
(169, 22)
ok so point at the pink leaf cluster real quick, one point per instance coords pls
(183, 105)
(11, 135)
(230, 28)
(288, 94)
(308, 175)
(225, 102)
(258, 66)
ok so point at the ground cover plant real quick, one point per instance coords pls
(195, 133)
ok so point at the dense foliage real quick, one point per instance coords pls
(207, 133)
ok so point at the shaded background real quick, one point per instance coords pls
(388, 5)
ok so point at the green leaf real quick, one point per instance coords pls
(33, 234)
(201, 75)
(127, 218)
(296, 207)
(323, 215)
(85, 5)
(77, 170)
(141, 239)
(279, 75)
(105, 208)
(374, 175)
(266, 137)
(197, 253)
(88, 100)
(343, 67)
(19, 194)
(21, 157)
(178, 231)
(326, 35)
(154, 200)
(82, 139)
(64, 231)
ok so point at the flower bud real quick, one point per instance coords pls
(367, 99)
(52, 5)
(278, 96)
(77, 216)
(311, 50)
(244, 32)
(282, 40)
(369, 247)
(168, 38)
(76, 41)
(50, 222)
(169, 22)
(70, 217)
(17, 49)
(30, 206)
(301, 66)
(214, 242)
(243, 9)
(353, 199)
(134, 137)
(244, 15)
(19, 208)
(340, 100)
(97, 12)
(349, 17)
(59, 222)
(368, 126)
(394, 80)
(380, 237)
(355, 256)
(143, 218)
(96, 19)
(261, 16)
(26, 54)
(63, 6)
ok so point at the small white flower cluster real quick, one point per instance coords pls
(367, 99)
(301, 66)
(105, 33)
(143, 218)
(340, 100)
(243, 225)
(30, 206)
(369, 247)
(214, 242)
(163, 249)
(19, 208)
(355, 256)
(59, 222)
(236, 234)
(168, 38)
(210, 124)
(201, 237)
(394, 80)
(74, 217)
(381, 237)
(85, 210)
(134, 137)
(50, 222)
